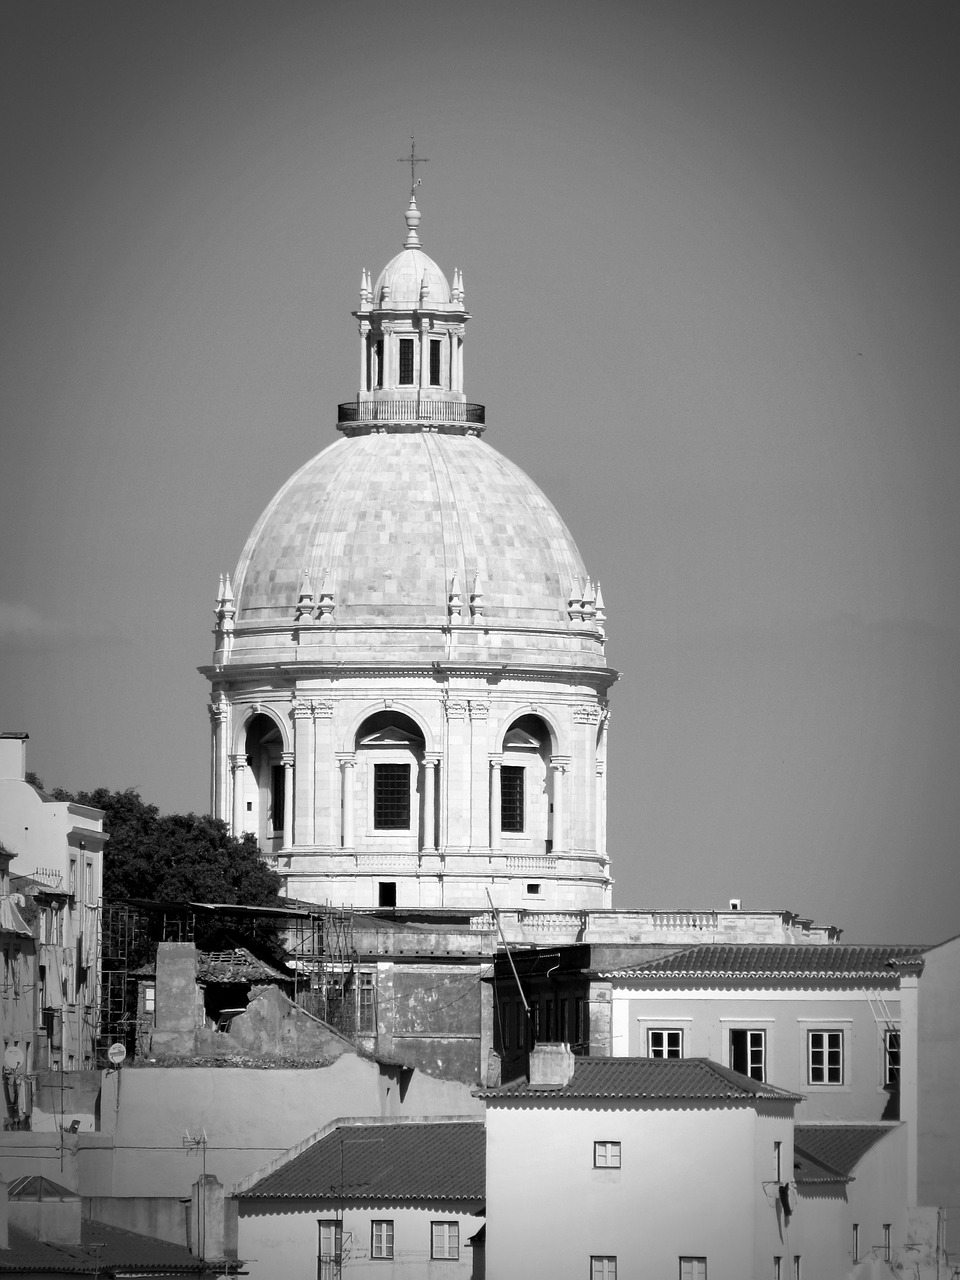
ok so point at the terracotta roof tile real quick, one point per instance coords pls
(654, 1079)
(823, 1148)
(410, 1161)
(236, 964)
(773, 961)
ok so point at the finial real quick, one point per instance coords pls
(476, 597)
(455, 601)
(413, 221)
(326, 602)
(304, 598)
(227, 592)
(575, 601)
(460, 287)
(601, 612)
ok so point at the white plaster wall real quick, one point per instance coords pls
(706, 1018)
(285, 1244)
(688, 1186)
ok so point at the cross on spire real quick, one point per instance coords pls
(413, 160)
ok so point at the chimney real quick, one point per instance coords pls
(551, 1066)
(13, 756)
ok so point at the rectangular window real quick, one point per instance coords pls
(366, 1009)
(149, 998)
(445, 1240)
(564, 1027)
(777, 1267)
(891, 1059)
(606, 1155)
(693, 1269)
(276, 796)
(381, 1238)
(378, 371)
(511, 797)
(796, 1267)
(824, 1057)
(748, 1052)
(603, 1267)
(886, 1242)
(406, 362)
(331, 1249)
(778, 1160)
(73, 877)
(664, 1043)
(856, 1242)
(391, 797)
(434, 363)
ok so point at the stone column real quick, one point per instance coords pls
(424, 355)
(453, 361)
(430, 765)
(389, 357)
(559, 767)
(364, 383)
(219, 723)
(347, 766)
(287, 759)
(495, 763)
(238, 764)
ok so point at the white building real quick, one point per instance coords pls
(409, 683)
(55, 878)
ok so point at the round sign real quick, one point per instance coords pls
(12, 1058)
(116, 1053)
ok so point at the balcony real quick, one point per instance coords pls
(400, 411)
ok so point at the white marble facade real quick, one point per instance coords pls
(409, 683)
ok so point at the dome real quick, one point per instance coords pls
(384, 521)
(403, 277)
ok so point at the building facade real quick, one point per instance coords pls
(409, 688)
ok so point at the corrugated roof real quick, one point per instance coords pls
(774, 961)
(823, 1148)
(655, 1079)
(438, 1161)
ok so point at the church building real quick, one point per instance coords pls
(409, 688)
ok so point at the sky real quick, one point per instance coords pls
(711, 251)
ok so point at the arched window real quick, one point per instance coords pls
(525, 785)
(264, 793)
(390, 749)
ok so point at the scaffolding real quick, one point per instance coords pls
(318, 943)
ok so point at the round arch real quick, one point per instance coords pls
(400, 710)
(249, 713)
(519, 713)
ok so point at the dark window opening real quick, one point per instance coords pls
(511, 797)
(434, 363)
(276, 796)
(406, 362)
(366, 1007)
(391, 797)
(378, 371)
(746, 1052)
(533, 890)
(387, 893)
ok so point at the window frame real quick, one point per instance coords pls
(446, 1229)
(366, 1002)
(607, 1154)
(329, 1264)
(696, 1267)
(399, 765)
(891, 1058)
(756, 1051)
(381, 1239)
(436, 362)
(406, 351)
(833, 1075)
(603, 1266)
(513, 773)
(665, 1051)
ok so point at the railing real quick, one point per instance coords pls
(412, 409)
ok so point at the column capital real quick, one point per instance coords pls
(237, 760)
(479, 709)
(346, 759)
(286, 759)
(432, 760)
(496, 761)
(560, 763)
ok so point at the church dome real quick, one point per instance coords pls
(411, 279)
(392, 525)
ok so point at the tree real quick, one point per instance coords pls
(175, 857)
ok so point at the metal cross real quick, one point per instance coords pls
(412, 160)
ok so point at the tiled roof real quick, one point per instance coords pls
(824, 1149)
(765, 962)
(384, 1162)
(117, 1251)
(236, 964)
(654, 1079)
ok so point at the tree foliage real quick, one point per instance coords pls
(175, 857)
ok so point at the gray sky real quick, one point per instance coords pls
(711, 252)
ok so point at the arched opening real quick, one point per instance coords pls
(389, 754)
(265, 795)
(526, 785)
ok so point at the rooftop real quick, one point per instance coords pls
(382, 1162)
(766, 962)
(830, 1152)
(649, 1080)
(102, 1250)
